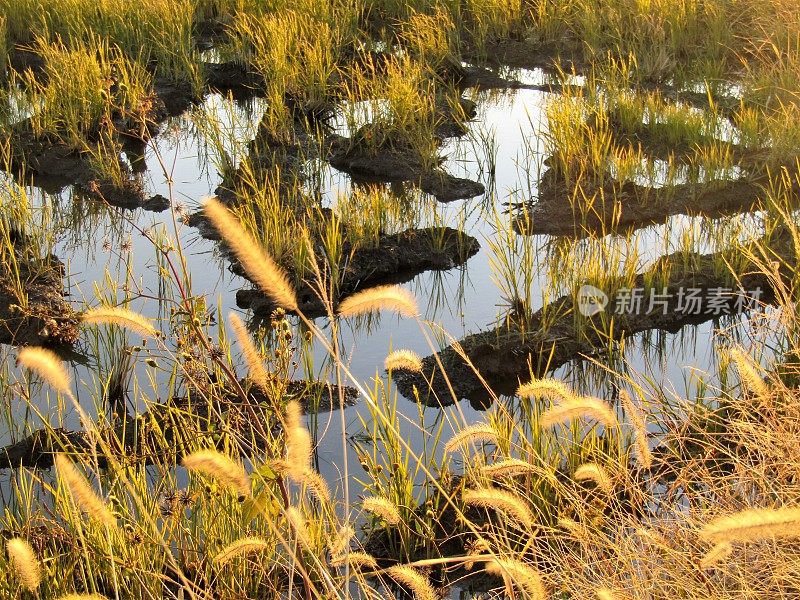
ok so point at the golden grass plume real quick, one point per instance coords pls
(259, 266)
(83, 494)
(717, 554)
(341, 542)
(255, 362)
(596, 474)
(299, 526)
(753, 525)
(504, 501)
(383, 508)
(579, 407)
(48, 366)
(299, 447)
(220, 467)
(248, 545)
(360, 561)
(403, 360)
(515, 572)
(510, 467)
(551, 389)
(414, 581)
(748, 373)
(117, 315)
(83, 597)
(480, 432)
(382, 297)
(641, 443)
(26, 565)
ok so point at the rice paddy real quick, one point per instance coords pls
(409, 299)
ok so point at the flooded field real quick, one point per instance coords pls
(348, 299)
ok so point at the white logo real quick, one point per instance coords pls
(591, 300)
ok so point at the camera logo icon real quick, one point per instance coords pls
(591, 300)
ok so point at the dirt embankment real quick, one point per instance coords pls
(697, 289)
(33, 307)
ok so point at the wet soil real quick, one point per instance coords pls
(42, 316)
(543, 341)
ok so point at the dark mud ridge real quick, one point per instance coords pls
(397, 258)
(397, 163)
(697, 290)
(38, 314)
(620, 206)
(166, 431)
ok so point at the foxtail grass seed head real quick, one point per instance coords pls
(604, 593)
(753, 525)
(255, 362)
(384, 297)
(480, 432)
(414, 581)
(221, 467)
(383, 508)
(259, 267)
(641, 443)
(596, 474)
(748, 374)
(580, 407)
(501, 500)
(299, 526)
(341, 543)
(299, 447)
(248, 545)
(83, 494)
(550, 389)
(48, 366)
(314, 481)
(717, 554)
(26, 565)
(122, 317)
(403, 360)
(511, 467)
(515, 572)
(360, 561)
(83, 597)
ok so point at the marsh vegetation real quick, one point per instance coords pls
(381, 298)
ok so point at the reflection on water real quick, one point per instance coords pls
(108, 257)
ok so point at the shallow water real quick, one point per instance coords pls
(100, 247)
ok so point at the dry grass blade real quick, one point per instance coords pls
(384, 297)
(260, 267)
